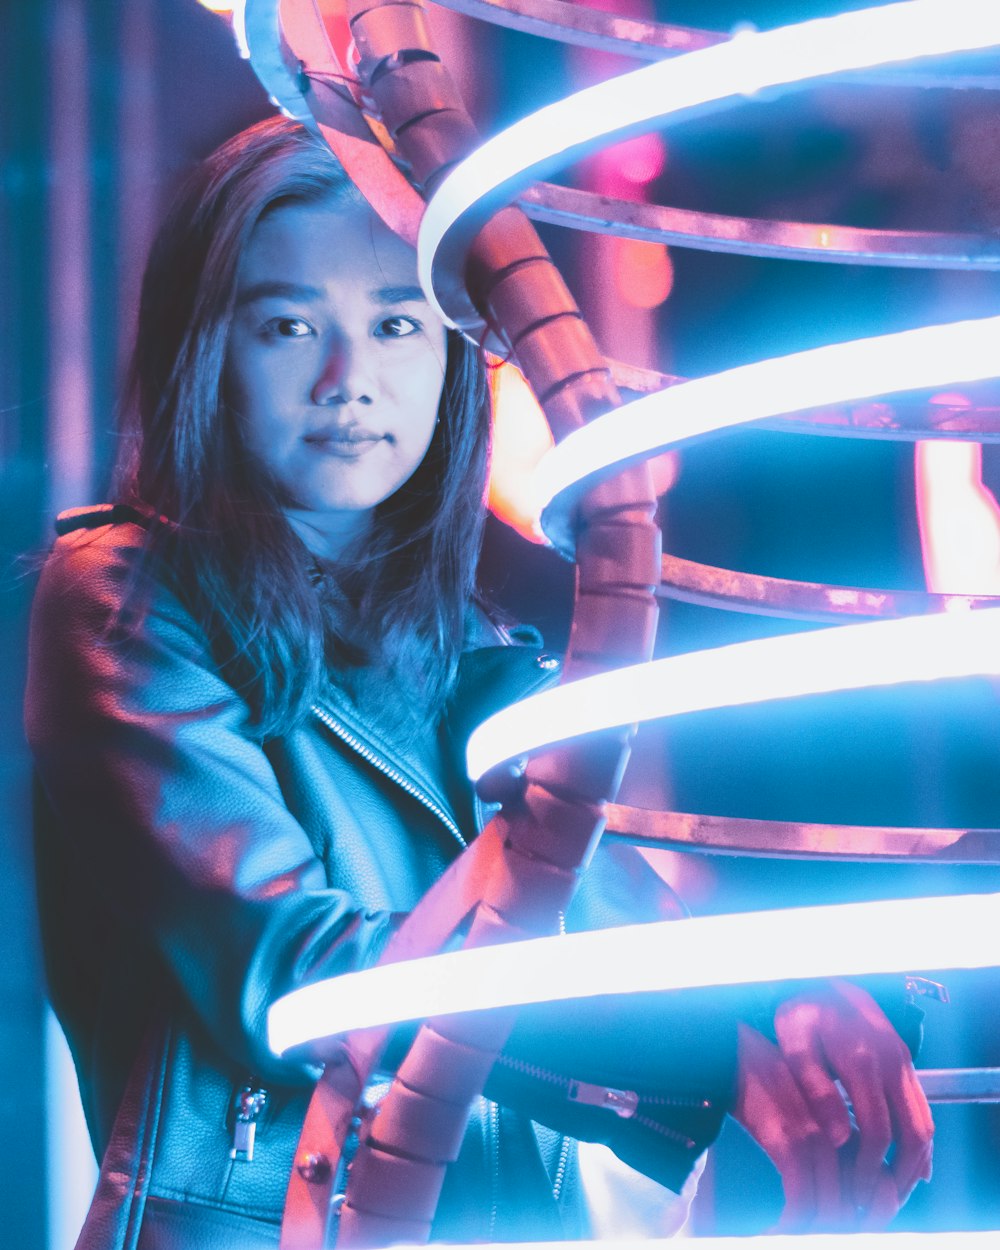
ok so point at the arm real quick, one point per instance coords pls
(168, 810)
(676, 1051)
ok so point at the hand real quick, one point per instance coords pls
(772, 1109)
(839, 1033)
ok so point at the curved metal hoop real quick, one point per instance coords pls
(905, 423)
(647, 40)
(778, 839)
(754, 236)
(713, 77)
(709, 586)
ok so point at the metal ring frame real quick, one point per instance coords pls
(646, 40)
(524, 866)
(755, 236)
(780, 839)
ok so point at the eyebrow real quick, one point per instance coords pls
(398, 295)
(279, 290)
(301, 291)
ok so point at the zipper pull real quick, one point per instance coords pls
(923, 988)
(248, 1104)
(623, 1102)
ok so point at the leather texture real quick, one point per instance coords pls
(189, 875)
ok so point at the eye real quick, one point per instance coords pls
(287, 328)
(398, 327)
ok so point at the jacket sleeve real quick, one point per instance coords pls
(170, 812)
(650, 1075)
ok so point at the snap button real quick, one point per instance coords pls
(313, 1167)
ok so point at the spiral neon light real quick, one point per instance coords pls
(933, 356)
(726, 72)
(239, 8)
(849, 939)
(778, 1241)
(847, 657)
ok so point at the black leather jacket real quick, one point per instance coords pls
(189, 875)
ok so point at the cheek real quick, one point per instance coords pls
(256, 394)
(427, 382)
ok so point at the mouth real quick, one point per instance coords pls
(347, 444)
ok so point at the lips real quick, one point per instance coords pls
(348, 443)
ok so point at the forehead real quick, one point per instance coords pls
(327, 245)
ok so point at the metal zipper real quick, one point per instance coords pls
(387, 770)
(565, 1146)
(491, 1134)
(625, 1103)
(248, 1104)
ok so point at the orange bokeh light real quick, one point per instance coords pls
(644, 272)
(521, 436)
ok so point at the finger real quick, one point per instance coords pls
(798, 1185)
(912, 1128)
(885, 1203)
(810, 1173)
(927, 1126)
(863, 1081)
(834, 1210)
(801, 1051)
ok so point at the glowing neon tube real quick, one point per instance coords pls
(511, 160)
(845, 657)
(932, 356)
(239, 8)
(961, 351)
(849, 939)
(778, 1241)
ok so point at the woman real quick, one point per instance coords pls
(250, 685)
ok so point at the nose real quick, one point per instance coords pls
(347, 373)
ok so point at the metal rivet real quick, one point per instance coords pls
(313, 1167)
(548, 662)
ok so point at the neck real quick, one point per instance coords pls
(328, 534)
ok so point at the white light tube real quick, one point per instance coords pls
(240, 28)
(844, 657)
(932, 356)
(778, 1241)
(849, 939)
(740, 67)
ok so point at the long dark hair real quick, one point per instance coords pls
(275, 620)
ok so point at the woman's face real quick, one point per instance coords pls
(335, 364)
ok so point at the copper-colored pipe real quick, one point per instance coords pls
(549, 830)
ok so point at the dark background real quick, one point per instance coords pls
(106, 102)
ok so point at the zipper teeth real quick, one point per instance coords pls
(564, 1149)
(656, 1100)
(531, 1069)
(376, 761)
(556, 1078)
(665, 1130)
(494, 1129)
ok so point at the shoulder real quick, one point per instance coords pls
(501, 664)
(484, 628)
(111, 641)
(103, 572)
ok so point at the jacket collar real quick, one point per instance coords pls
(489, 678)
